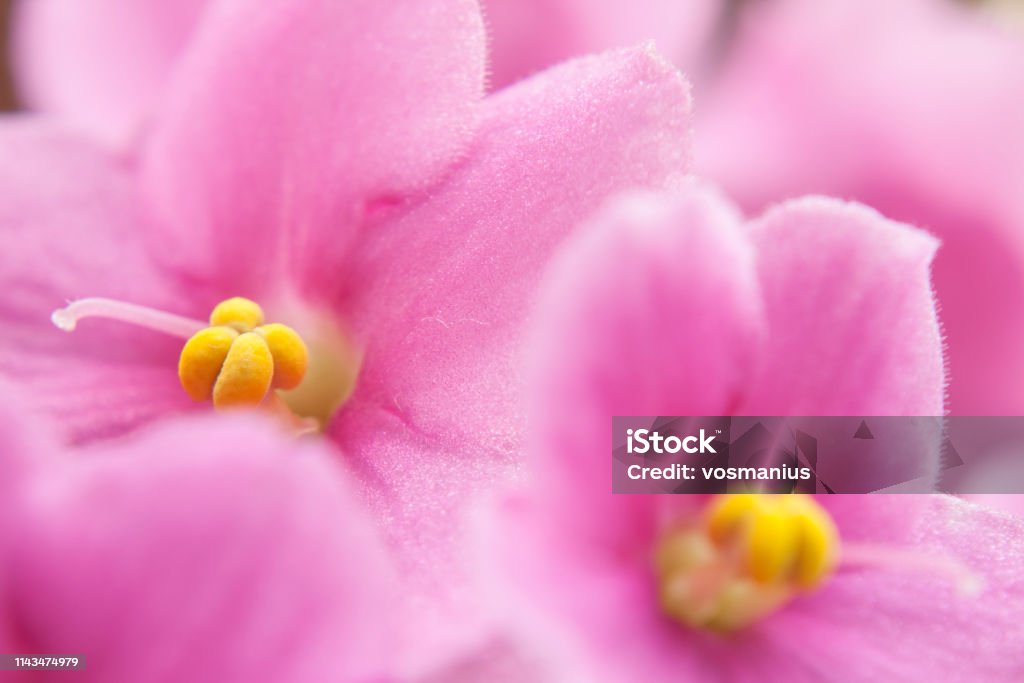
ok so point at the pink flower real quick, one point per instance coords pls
(338, 165)
(914, 108)
(205, 550)
(670, 305)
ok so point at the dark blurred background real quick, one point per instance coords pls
(6, 91)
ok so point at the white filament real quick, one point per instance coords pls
(966, 582)
(175, 325)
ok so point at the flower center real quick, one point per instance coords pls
(748, 556)
(239, 360)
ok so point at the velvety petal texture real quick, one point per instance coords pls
(848, 298)
(71, 226)
(652, 309)
(446, 287)
(203, 551)
(286, 123)
(912, 107)
(100, 64)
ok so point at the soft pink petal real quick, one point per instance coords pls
(1012, 503)
(653, 309)
(588, 608)
(658, 311)
(445, 288)
(203, 551)
(912, 108)
(70, 228)
(528, 36)
(593, 610)
(868, 620)
(447, 285)
(425, 493)
(101, 64)
(852, 319)
(287, 123)
(589, 605)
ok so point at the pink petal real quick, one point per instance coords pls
(425, 493)
(1012, 503)
(593, 611)
(588, 608)
(528, 36)
(69, 228)
(652, 310)
(446, 287)
(852, 320)
(912, 108)
(101, 64)
(668, 306)
(288, 122)
(868, 620)
(448, 284)
(204, 552)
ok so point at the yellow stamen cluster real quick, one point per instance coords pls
(748, 556)
(238, 360)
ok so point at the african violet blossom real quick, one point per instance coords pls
(359, 190)
(205, 550)
(670, 305)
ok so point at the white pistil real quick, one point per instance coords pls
(964, 580)
(175, 325)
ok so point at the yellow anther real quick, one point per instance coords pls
(247, 373)
(237, 312)
(201, 360)
(289, 352)
(728, 514)
(751, 555)
(787, 538)
(771, 545)
(238, 360)
(818, 551)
